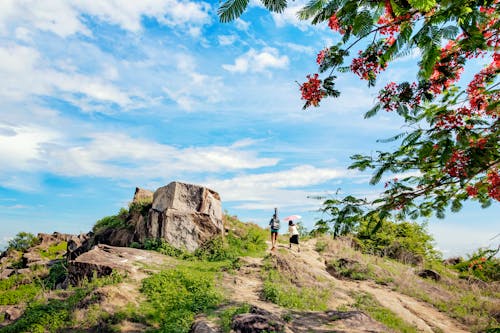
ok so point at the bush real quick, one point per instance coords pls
(23, 241)
(406, 241)
(175, 296)
(482, 264)
(226, 317)
(57, 274)
(113, 221)
(142, 206)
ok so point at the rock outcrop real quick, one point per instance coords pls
(102, 260)
(185, 215)
(142, 195)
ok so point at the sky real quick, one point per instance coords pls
(98, 97)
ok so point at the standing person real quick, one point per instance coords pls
(294, 234)
(275, 226)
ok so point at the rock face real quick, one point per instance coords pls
(185, 215)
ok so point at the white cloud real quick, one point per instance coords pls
(241, 24)
(32, 149)
(300, 48)
(24, 73)
(191, 89)
(254, 61)
(286, 188)
(227, 39)
(289, 17)
(63, 18)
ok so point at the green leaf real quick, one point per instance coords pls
(277, 6)
(423, 5)
(231, 10)
(312, 8)
(373, 111)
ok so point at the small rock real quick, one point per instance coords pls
(429, 274)
(201, 327)
(258, 320)
(453, 261)
(5, 273)
(13, 313)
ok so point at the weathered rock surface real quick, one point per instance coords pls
(185, 215)
(142, 195)
(102, 260)
(201, 326)
(78, 245)
(258, 320)
(336, 321)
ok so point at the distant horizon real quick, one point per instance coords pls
(97, 99)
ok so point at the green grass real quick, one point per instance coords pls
(279, 289)
(366, 302)
(175, 296)
(52, 315)
(351, 270)
(22, 293)
(55, 251)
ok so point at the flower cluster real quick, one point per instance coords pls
(479, 100)
(477, 263)
(311, 90)
(457, 164)
(448, 69)
(334, 24)
(394, 95)
(321, 56)
(493, 179)
(368, 65)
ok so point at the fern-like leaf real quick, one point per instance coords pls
(277, 6)
(231, 10)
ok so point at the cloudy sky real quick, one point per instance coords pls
(98, 97)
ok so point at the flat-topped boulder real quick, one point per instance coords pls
(102, 260)
(185, 215)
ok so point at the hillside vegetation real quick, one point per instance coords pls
(356, 283)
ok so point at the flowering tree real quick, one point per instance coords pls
(450, 152)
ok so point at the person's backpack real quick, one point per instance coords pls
(275, 223)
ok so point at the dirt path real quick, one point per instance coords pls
(423, 316)
(246, 287)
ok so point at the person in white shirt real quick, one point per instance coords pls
(294, 234)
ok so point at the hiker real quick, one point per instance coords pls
(275, 226)
(294, 234)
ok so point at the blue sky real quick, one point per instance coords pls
(99, 97)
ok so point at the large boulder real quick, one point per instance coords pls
(185, 215)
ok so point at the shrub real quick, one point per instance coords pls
(142, 206)
(406, 241)
(113, 221)
(482, 264)
(23, 241)
(57, 274)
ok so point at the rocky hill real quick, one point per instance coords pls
(181, 266)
